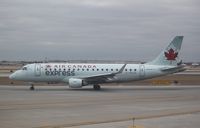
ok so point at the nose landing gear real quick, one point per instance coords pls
(32, 87)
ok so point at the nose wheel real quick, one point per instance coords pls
(96, 87)
(32, 87)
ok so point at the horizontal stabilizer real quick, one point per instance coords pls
(174, 69)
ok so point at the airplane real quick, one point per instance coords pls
(78, 75)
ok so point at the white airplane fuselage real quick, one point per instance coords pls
(62, 72)
(78, 75)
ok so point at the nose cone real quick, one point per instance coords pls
(12, 76)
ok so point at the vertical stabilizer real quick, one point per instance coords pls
(169, 56)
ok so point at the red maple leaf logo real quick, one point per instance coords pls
(171, 55)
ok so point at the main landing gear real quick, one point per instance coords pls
(32, 87)
(96, 87)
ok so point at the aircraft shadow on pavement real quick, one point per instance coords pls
(103, 89)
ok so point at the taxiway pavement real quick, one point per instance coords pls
(113, 106)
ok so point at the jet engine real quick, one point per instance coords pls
(76, 83)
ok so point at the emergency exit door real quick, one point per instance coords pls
(142, 70)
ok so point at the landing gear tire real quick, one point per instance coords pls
(32, 87)
(96, 87)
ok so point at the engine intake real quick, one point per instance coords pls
(76, 83)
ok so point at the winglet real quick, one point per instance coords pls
(121, 70)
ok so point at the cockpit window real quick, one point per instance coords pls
(24, 68)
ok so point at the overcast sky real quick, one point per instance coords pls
(97, 29)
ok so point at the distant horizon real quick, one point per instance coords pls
(82, 61)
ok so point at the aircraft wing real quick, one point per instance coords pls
(101, 78)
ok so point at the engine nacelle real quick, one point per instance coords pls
(75, 83)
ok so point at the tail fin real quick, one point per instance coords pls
(169, 56)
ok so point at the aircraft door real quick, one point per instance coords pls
(37, 69)
(142, 70)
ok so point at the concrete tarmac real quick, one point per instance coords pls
(112, 107)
